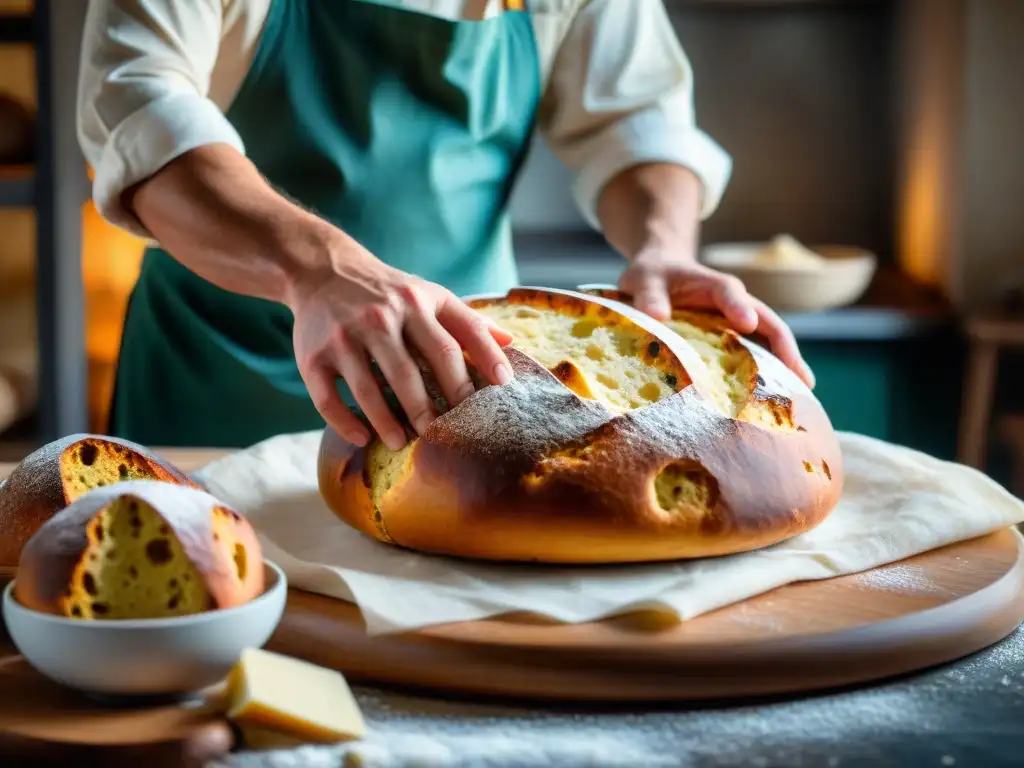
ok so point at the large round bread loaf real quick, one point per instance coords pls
(140, 549)
(57, 474)
(619, 440)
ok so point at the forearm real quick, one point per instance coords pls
(213, 212)
(653, 206)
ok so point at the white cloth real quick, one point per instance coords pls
(156, 79)
(897, 503)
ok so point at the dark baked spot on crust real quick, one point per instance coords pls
(563, 371)
(780, 407)
(825, 469)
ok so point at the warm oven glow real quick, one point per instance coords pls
(110, 265)
(923, 222)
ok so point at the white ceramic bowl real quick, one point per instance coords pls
(844, 277)
(178, 656)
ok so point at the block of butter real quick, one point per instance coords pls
(294, 699)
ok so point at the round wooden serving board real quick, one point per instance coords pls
(933, 608)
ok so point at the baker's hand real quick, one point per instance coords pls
(658, 281)
(361, 310)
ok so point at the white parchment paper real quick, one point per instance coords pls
(897, 502)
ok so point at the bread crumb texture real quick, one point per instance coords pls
(144, 550)
(134, 567)
(740, 392)
(598, 354)
(385, 467)
(95, 463)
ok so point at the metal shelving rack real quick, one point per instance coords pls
(56, 187)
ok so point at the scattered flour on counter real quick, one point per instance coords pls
(389, 749)
(756, 617)
(897, 578)
(926, 719)
(504, 750)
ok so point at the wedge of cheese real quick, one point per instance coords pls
(299, 701)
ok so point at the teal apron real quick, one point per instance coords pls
(405, 130)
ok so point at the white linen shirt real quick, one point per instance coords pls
(157, 77)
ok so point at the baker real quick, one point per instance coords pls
(325, 178)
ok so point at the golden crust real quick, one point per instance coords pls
(532, 471)
(46, 481)
(706, 319)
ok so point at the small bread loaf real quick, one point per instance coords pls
(141, 549)
(60, 472)
(619, 440)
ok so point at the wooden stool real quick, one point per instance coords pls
(986, 335)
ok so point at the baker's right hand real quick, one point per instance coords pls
(359, 310)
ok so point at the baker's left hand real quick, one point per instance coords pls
(658, 281)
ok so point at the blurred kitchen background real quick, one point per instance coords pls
(891, 126)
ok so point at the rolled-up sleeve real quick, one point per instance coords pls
(621, 94)
(142, 93)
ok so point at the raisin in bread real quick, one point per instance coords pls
(60, 472)
(141, 549)
(620, 439)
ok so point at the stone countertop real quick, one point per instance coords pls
(894, 307)
(967, 714)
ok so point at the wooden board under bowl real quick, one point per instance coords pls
(43, 723)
